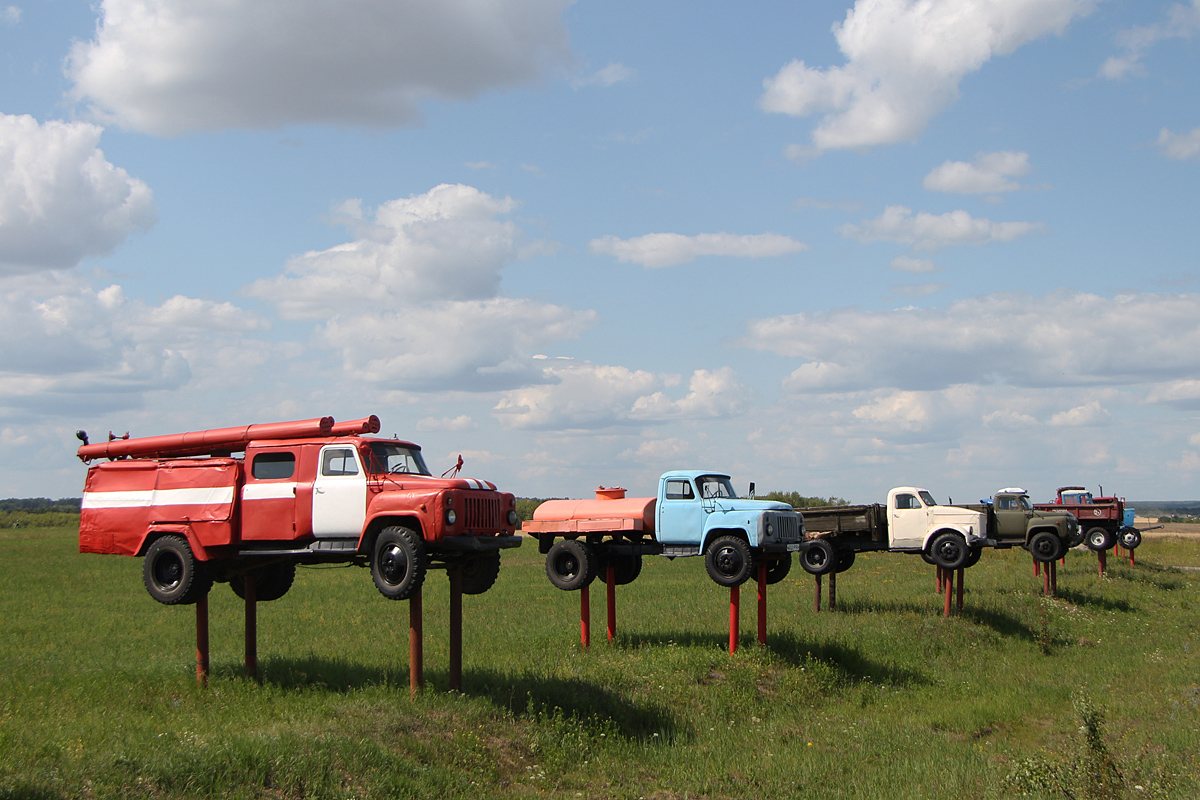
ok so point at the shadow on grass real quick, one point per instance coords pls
(1093, 601)
(850, 663)
(1168, 579)
(521, 693)
(24, 791)
(999, 621)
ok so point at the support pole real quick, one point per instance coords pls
(762, 604)
(1046, 580)
(833, 591)
(1131, 558)
(817, 594)
(610, 580)
(938, 571)
(455, 573)
(1102, 558)
(416, 647)
(1037, 568)
(585, 617)
(961, 571)
(251, 626)
(949, 586)
(735, 608)
(202, 640)
(1053, 578)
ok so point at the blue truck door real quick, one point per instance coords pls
(680, 515)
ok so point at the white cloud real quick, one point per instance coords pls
(656, 250)
(584, 396)
(612, 74)
(413, 302)
(933, 232)
(460, 423)
(1182, 23)
(172, 66)
(1180, 146)
(60, 200)
(1058, 340)
(914, 265)
(11, 15)
(1090, 413)
(989, 173)
(904, 62)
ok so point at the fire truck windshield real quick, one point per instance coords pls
(394, 459)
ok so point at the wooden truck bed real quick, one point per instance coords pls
(861, 522)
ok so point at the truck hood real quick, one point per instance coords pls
(739, 504)
(429, 483)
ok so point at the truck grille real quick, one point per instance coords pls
(788, 527)
(483, 512)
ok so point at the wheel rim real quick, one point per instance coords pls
(567, 566)
(168, 571)
(815, 557)
(949, 551)
(728, 561)
(393, 564)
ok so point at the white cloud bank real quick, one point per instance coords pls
(656, 250)
(1058, 340)
(61, 201)
(904, 62)
(414, 301)
(1180, 146)
(933, 232)
(1183, 22)
(168, 67)
(989, 173)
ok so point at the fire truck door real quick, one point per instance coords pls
(339, 493)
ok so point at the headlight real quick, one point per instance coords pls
(451, 516)
(770, 529)
(512, 517)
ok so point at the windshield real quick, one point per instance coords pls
(1026, 503)
(395, 459)
(715, 486)
(927, 498)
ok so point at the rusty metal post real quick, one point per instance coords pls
(1131, 558)
(202, 640)
(735, 613)
(455, 573)
(1037, 568)
(833, 591)
(938, 581)
(585, 617)
(251, 596)
(949, 586)
(1102, 558)
(961, 572)
(1053, 578)
(416, 644)
(817, 594)
(610, 579)
(762, 604)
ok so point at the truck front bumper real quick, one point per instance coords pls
(478, 543)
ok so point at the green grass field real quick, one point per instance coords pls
(1092, 694)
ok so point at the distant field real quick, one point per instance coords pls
(1092, 694)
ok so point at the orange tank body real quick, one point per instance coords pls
(609, 511)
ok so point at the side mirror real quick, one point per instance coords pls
(751, 495)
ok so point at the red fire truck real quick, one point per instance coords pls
(304, 492)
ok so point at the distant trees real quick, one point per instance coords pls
(797, 500)
(39, 512)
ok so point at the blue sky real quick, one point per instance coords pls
(829, 247)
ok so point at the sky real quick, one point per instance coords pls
(830, 247)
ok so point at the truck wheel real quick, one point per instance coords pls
(1099, 539)
(571, 565)
(270, 582)
(626, 567)
(973, 557)
(928, 559)
(172, 574)
(818, 558)
(479, 573)
(949, 550)
(1045, 547)
(778, 568)
(1130, 538)
(728, 560)
(845, 560)
(398, 562)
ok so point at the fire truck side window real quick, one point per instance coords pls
(339, 462)
(272, 466)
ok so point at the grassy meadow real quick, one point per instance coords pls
(1095, 693)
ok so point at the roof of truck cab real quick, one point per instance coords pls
(693, 473)
(324, 440)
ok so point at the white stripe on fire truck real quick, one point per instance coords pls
(203, 496)
(269, 491)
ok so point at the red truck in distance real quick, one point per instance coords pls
(1105, 520)
(304, 492)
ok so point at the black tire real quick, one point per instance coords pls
(172, 574)
(1099, 539)
(973, 557)
(728, 560)
(928, 559)
(949, 550)
(270, 582)
(479, 572)
(1046, 547)
(845, 560)
(1130, 538)
(819, 558)
(778, 568)
(571, 565)
(398, 562)
(626, 567)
